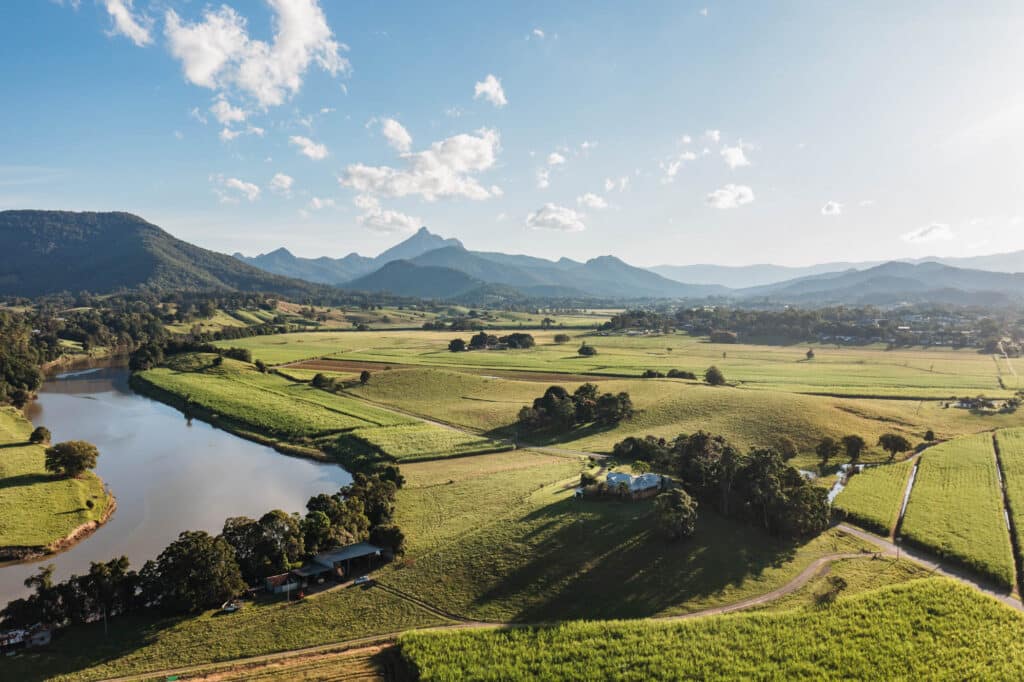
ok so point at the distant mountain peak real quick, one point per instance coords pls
(419, 243)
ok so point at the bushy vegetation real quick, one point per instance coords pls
(557, 410)
(923, 629)
(956, 507)
(872, 498)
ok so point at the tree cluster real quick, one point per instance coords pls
(558, 410)
(484, 341)
(756, 486)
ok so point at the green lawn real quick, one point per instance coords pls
(872, 498)
(37, 508)
(956, 507)
(926, 629)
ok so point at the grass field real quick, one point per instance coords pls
(37, 508)
(498, 538)
(139, 643)
(956, 507)
(409, 442)
(852, 371)
(873, 497)
(920, 630)
(1011, 455)
(270, 404)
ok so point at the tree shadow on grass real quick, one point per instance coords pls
(84, 646)
(24, 480)
(610, 562)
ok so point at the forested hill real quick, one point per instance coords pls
(44, 252)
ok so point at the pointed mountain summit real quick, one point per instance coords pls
(423, 241)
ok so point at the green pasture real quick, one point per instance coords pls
(872, 498)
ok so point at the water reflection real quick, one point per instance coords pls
(168, 475)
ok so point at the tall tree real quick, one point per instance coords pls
(71, 458)
(676, 513)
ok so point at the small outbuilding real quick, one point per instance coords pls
(341, 561)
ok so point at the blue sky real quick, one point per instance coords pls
(661, 132)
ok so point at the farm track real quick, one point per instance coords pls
(817, 568)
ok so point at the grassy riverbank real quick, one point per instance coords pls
(38, 509)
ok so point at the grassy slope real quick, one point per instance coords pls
(409, 442)
(268, 403)
(494, 542)
(956, 507)
(924, 629)
(35, 508)
(873, 497)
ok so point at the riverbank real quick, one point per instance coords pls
(41, 514)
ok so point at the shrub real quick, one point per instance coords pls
(562, 338)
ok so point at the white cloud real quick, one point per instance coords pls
(591, 200)
(396, 134)
(713, 135)
(217, 52)
(447, 169)
(497, 191)
(225, 113)
(543, 178)
(178, 135)
(228, 134)
(703, 11)
(554, 217)
(127, 24)
(935, 232)
(611, 184)
(491, 90)
(197, 115)
(587, 144)
(734, 157)
(555, 159)
(832, 208)
(685, 139)
(316, 203)
(731, 196)
(671, 167)
(538, 33)
(381, 220)
(312, 149)
(282, 184)
(230, 190)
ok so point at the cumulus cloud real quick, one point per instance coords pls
(591, 200)
(685, 139)
(935, 232)
(376, 218)
(671, 167)
(832, 208)
(217, 52)
(490, 89)
(555, 159)
(730, 196)
(312, 149)
(543, 178)
(713, 135)
(734, 157)
(127, 23)
(224, 112)
(396, 134)
(228, 134)
(448, 168)
(554, 217)
(316, 203)
(538, 33)
(282, 184)
(230, 190)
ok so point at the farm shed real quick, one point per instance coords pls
(340, 560)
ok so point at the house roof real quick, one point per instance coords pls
(311, 569)
(278, 580)
(355, 551)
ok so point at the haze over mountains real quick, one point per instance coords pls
(44, 252)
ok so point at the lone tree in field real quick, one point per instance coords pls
(676, 513)
(586, 350)
(364, 377)
(827, 449)
(854, 446)
(562, 338)
(71, 458)
(810, 353)
(457, 345)
(894, 443)
(714, 377)
(41, 434)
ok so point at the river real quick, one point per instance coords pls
(167, 474)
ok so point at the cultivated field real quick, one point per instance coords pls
(851, 371)
(409, 442)
(37, 508)
(873, 497)
(901, 632)
(1011, 455)
(956, 507)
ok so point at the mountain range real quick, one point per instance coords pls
(44, 252)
